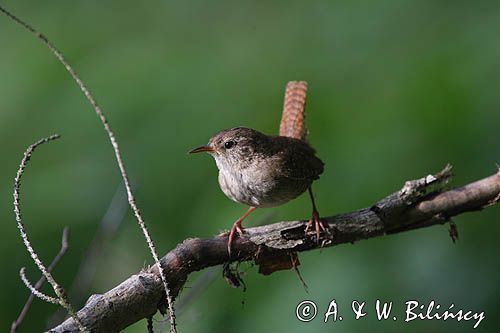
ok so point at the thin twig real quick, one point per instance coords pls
(114, 143)
(36, 292)
(63, 300)
(38, 285)
(295, 263)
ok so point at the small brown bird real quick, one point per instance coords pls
(259, 170)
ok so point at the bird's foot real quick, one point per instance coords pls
(319, 226)
(236, 228)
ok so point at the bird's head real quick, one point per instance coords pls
(235, 147)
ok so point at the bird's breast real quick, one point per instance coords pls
(258, 188)
(237, 187)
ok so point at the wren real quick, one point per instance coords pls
(261, 170)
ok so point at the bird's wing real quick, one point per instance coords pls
(300, 162)
(292, 119)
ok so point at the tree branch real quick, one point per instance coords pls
(420, 203)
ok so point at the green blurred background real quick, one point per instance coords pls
(397, 89)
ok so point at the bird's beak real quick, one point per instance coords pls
(207, 149)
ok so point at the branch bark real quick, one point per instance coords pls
(420, 203)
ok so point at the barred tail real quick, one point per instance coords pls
(292, 120)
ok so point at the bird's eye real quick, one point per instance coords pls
(229, 144)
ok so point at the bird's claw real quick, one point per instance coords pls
(236, 228)
(319, 226)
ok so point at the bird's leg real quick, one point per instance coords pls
(315, 220)
(237, 228)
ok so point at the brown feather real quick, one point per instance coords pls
(292, 119)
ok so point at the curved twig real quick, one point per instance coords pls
(116, 148)
(40, 282)
(36, 292)
(61, 296)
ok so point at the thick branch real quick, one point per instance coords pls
(420, 203)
